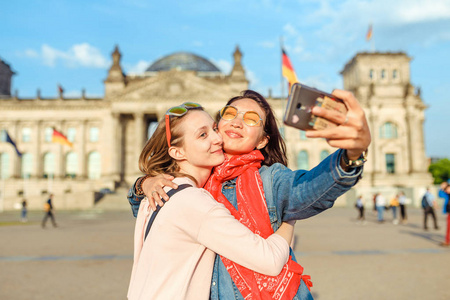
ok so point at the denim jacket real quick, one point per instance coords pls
(290, 195)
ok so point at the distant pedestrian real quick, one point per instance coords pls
(48, 208)
(360, 206)
(374, 199)
(428, 205)
(444, 192)
(381, 206)
(24, 211)
(402, 202)
(394, 204)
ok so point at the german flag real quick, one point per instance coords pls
(287, 69)
(60, 138)
(369, 33)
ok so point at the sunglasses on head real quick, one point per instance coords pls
(178, 111)
(251, 118)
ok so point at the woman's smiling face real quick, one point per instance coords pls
(238, 137)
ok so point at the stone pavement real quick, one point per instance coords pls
(89, 256)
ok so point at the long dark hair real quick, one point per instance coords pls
(275, 150)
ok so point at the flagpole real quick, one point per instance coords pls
(281, 69)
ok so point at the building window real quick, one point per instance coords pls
(4, 165)
(3, 135)
(26, 134)
(303, 160)
(48, 134)
(303, 135)
(49, 165)
(388, 131)
(151, 129)
(93, 134)
(390, 163)
(71, 133)
(94, 165)
(27, 165)
(372, 74)
(324, 154)
(71, 164)
(395, 74)
(383, 74)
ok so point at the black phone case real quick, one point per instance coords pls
(301, 100)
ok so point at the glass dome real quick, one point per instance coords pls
(183, 61)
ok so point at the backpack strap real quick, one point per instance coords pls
(158, 208)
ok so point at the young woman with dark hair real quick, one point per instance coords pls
(251, 139)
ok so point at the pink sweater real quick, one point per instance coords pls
(176, 260)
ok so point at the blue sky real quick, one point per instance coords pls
(69, 42)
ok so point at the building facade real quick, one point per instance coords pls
(109, 133)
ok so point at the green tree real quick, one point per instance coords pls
(440, 170)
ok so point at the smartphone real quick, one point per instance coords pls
(301, 101)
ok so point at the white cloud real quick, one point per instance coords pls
(197, 44)
(267, 44)
(289, 29)
(31, 53)
(137, 68)
(223, 65)
(79, 55)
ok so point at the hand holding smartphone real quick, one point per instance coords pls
(301, 101)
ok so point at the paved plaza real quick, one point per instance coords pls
(89, 256)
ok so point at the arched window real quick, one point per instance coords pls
(94, 165)
(26, 134)
(394, 74)
(71, 133)
(4, 165)
(390, 163)
(383, 74)
(324, 154)
(27, 165)
(388, 131)
(372, 74)
(303, 160)
(48, 134)
(93, 134)
(151, 129)
(71, 164)
(49, 165)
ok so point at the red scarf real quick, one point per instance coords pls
(252, 212)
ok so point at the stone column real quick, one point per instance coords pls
(39, 166)
(139, 134)
(83, 159)
(16, 160)
(116, 134)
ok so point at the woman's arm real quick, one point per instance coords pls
(152, 188)
(223, 234)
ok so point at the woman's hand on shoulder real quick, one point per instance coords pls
(153, 189)
(352, 132)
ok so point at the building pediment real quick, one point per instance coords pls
(175, 86)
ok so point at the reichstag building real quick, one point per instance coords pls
(109, 133)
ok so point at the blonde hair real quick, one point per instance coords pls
(155, 158)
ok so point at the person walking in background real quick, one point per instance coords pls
(360, 206)
(402, 203)
(24, 211)
(48, 208)
(394, 205)
(374, 199)
(428, 205)
(444, 193)
(380, 203)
